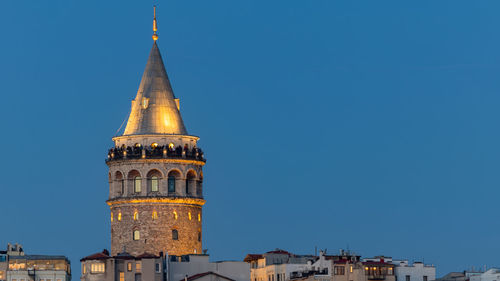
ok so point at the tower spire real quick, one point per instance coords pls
(155, 27)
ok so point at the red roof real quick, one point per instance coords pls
(97, 256)
(199, 275)
(147, 256)
(252, 257)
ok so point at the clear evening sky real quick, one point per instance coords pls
(367, 124)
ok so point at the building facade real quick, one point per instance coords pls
(155, 173)
(15, 265)
(418, 271)
(281, 265)
(124, 266)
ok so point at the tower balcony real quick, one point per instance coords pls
(157, 152)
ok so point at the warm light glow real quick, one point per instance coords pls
(119, 216)
(187, 201)
(199, 217)
(136, 215)
(367, 268)
(155, 215)
(171, 145)
(154, 145)
(137, 235)
(111, 217)
(175, 215)
(350, 269)
(189, 215)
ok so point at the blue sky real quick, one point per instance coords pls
(363, 124)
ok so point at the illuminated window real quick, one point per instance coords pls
(122, 276)
(119, 216)
(129, 266)
(84, 269)
(155, 215)
(171, 184)
(136, 215)
(138, 145)
(2, 275)
(171, 146)
(137, 235)
(137, 267)
(199, 217)
(339, 270)
(137, 184)
(350, 269)
(111, 217)
(175, 214)
(145, 102)
(154, 183)
(154, 145)
(390, 271)
(175, 234)
(97, 267)
(189, 215)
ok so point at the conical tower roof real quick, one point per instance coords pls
(155, 109)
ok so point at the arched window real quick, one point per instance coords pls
(119, 183)
(136, 215)
(172, 179)
(137, 235)
(154, 215)
(154, 183)
(175, 234)
(189, 215)
(190, 182)
(171, 184)
(175, 215)
(137, 184)
(154, 177)
(134, 180)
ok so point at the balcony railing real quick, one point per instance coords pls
(158, 152)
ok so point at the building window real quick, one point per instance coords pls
(408, 278)
(119, 216)
(84, 269)
(171, 184)
(175, 214)
(189, 215)
(154, 184)
(425, 278)
(137, 184)
(175, 234)
(199, 236)
(154, 215)
(122, 276)
(157, 268)
(111, 217)
(339, 270)
(97, 267)
(199, 217)
(138, 267)
(2, 275)
(123, 186)
(136, 215)
(350, 269)
(390, 271)
(187, 187)
(129, 266)
(137, 235)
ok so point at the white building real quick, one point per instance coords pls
(492, 274)
(417, 271)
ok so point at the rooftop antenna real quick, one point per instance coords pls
(155, 27)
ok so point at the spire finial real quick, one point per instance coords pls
(155, 28)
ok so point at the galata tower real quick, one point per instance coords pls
(155, 173)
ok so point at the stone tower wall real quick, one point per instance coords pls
(156, 233)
